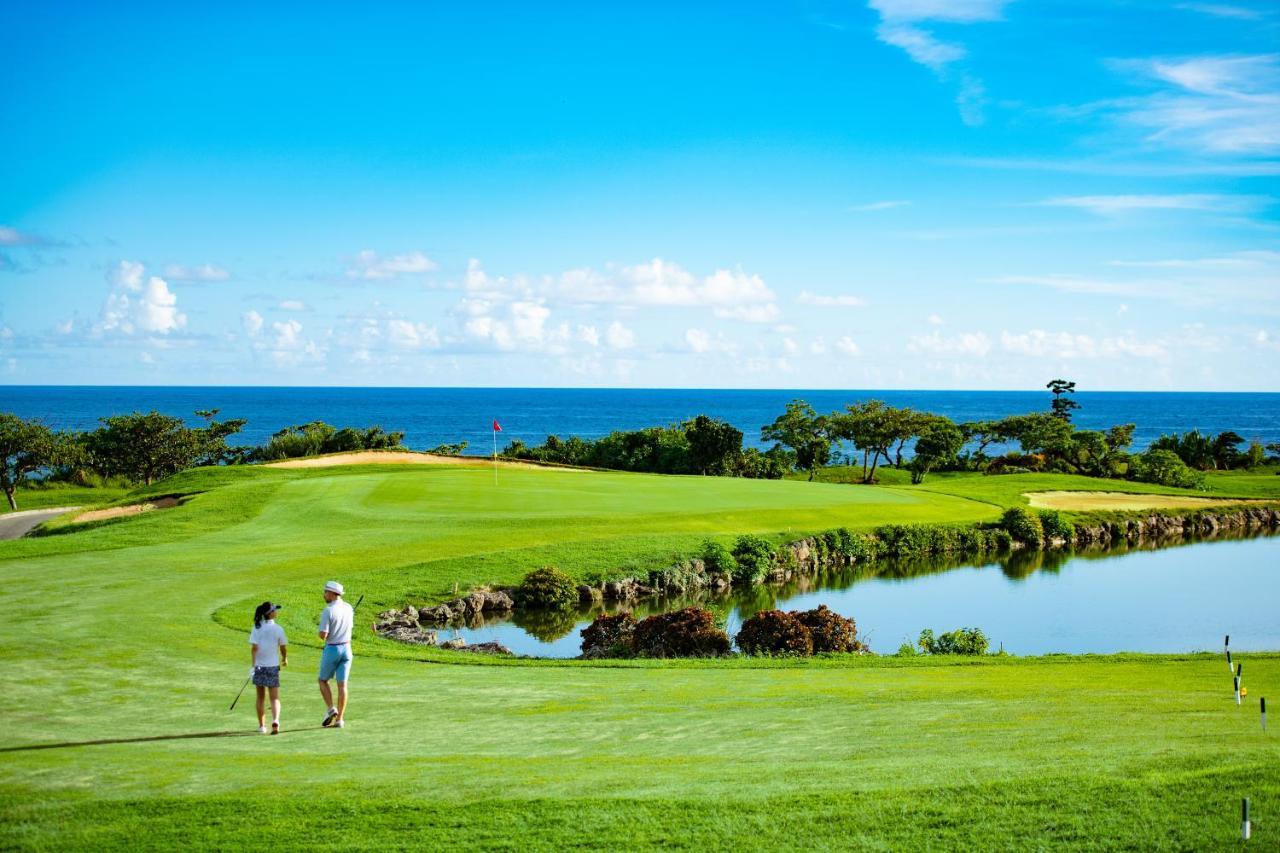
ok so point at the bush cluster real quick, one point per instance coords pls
(719, 559)
(610, 636)
(547, 588)
(776, 632)
(962, 641)
(317, 437)
(1056, 527)
(1023, 525)
(753, 556)
(831, 631)
(688, 633)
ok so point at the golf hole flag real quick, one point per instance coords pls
(497, 427)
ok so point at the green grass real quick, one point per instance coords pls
(61, 494)
(136, 628)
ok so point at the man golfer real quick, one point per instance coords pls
(335, 663)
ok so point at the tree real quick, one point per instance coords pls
(144, 447)
(1226, 450)
(25, 447)
(1038, 432)
(873, 428)
(805, 432)
(714, 445)
(1062, 405)
(939, 442)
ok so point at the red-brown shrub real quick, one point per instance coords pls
(774, 632)
(691, 632)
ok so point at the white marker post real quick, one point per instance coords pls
(1236, 679)
(1246, 827)
(1264, 714)
(1230, 665)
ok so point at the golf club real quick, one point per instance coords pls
(241, 693)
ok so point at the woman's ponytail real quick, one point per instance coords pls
(260, 613)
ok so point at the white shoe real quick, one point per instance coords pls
(340, 724)
(262, 730)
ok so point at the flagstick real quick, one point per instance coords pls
(495, 457)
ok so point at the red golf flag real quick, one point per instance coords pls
(496, 428)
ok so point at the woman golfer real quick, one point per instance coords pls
(270, 652)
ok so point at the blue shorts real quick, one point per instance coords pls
(335, 662)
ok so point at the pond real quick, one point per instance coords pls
(1176, 599)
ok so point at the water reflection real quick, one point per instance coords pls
(1136, 598)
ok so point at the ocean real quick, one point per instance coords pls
(432, 416)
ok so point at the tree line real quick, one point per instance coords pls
(700, 445)
(145, 447)
(1047, 441)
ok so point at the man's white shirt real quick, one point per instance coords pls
(337, 618)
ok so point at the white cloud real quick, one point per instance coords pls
(406, 334)
(848, 346)
(1066, 345)
(128, 275)
(697, 340)
(878, 205)
(202, 272)
(618, 336)
(136, 306)
(920, 45)
(842, 300)
(65, 327)
(10, 236)
(1111, 205)
(935, 320)
(964, 344)
(1210, 104)
(292, 305)
(750, 313)
(289, 348)
(589, 336)
(252, 323)
(1219, 10)
(903, 24)
(368, 265)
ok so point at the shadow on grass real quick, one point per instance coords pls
(150, 738)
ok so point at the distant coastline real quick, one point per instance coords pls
(431, 416)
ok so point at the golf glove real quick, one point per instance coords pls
(252, 670)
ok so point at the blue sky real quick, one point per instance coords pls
(893, 194)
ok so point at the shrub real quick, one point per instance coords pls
(1000, 539)
(962, 641)
(609, 636)
(547, 588)
(773, 632)
(1165, 468)
(906, 650)
(753, 554)
(1056, 527)
(691, 632)
(1023, 525)
(719, 559)
(831, 632)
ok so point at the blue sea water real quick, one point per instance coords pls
(431, 416)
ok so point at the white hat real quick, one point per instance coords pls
(333, 586)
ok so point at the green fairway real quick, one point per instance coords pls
(137, 629)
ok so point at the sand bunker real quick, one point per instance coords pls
(132, 509)
(1080, 501)
(392, 457)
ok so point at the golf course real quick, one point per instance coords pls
(125, 640)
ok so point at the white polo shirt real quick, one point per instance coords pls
(336, 618)
(269, 637)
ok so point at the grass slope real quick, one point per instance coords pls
(110, 633)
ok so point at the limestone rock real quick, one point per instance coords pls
(454, 644)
